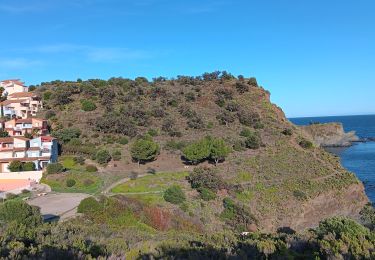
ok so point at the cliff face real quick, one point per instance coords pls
(348, 202)
(330, 135)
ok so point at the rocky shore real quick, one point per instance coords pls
(331, 135)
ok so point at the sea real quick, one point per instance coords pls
(359, 158)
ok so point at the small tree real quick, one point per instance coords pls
(198, 151)
(144, 149)
(103, 156)
(15, 166)
(174, 195)
(219, 150)
(66, 134)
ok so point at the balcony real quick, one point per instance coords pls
(20, 128)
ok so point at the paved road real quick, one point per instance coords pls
(63, 205)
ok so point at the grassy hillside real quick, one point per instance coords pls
(222, 160)
(273, 179)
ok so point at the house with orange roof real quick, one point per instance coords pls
(19, 127)
(13, 86)
(21, 104)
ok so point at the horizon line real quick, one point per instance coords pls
(299, 117)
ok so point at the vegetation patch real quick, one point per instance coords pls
(158, 182)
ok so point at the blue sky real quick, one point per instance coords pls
(315, 56)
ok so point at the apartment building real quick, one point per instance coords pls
(41, 151)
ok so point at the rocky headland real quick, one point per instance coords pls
(331, 135)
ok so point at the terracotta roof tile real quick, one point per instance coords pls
(22, 94)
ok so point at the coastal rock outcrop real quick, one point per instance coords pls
(330, 135)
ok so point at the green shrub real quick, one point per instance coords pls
(287, 131)
(229, 209)
(239, 145)
(174, 195)
(306, 144)
(47, 95)
(15, 166)
(28, 135)
(300, 195)
(341, 227)
(197, 151)
(175, 145)
(54, 168)
(207, 194)
(3, 133)
(87, 105)
(89, 205)
(368, 216)
(103, 156)
(246, 132)
(91, 168)
(49, 114)
(79, 160)
(116, 155)
(242, 87)
(248, 118)
(253, 141)
(11, 196)
(20, 213)
(29, 166)
(123, 140)
(75, 142)
(253, 82)
(88, 182)
(153, 132)
(205, 178)
(70, 183)
(66, 134)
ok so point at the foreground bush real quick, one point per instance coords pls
(20, 213)
(53, 168)
(174, 195)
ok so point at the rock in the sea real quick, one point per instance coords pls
(330, 135)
